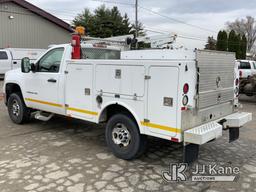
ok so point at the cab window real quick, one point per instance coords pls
(245, 65)
(97, 53)
(3, 55)
(51, 61)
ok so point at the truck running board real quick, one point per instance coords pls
(43, 116)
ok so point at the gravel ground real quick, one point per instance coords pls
(70, 155)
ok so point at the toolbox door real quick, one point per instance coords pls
(162, 100)
(79, 91)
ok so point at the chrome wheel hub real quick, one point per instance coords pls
(15, 108)
(121, 136)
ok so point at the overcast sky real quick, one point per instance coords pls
(209, 15)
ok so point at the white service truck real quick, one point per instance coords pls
(183, 96)
(10, 58)
(247, 68)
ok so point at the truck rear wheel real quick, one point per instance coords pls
(123, 137)
(17, 109)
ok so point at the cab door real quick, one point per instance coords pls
(42, 88)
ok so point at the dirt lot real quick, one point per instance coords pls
(70, 155)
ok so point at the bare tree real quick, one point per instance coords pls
(245, 27)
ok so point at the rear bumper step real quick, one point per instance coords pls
(200, 135)
(237, 120)
(203, 134)
(213, 130)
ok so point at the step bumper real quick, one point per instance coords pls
(237, 120)
(213, 130)
(203, 134)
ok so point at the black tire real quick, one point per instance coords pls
(22, 113)
(137, 143)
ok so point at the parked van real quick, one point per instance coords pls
(10, 58)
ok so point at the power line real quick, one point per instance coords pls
(156, 13)
(177, 21)
(179, 34)
(114, 2)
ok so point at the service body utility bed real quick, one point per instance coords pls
(178, 95)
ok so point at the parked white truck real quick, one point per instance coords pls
(183, 96)
(247, 68)
(10, 58)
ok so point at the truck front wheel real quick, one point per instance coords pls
(17, 109)
(123, 137)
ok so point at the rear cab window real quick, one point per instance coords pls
(98, 53)
(244, 65)
(3, 55)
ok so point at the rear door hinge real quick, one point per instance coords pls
(147, 77)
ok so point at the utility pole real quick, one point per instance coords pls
(136, 23)
(136, 19)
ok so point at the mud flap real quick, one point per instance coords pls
(233, 134)
(190, 153)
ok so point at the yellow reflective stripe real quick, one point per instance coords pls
(162, 127)
(43, 102)
(58, 105)
(82, 111)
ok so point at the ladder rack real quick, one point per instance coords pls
(125, 42)
(120, 41)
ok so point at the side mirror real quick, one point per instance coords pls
(25, 65)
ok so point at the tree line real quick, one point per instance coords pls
(232, 42)
(239, 37)
(106, 22)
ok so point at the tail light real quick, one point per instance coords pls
(237, 91)
(185, 100)
(237, 82)
(76, 44)
(185, 88)
(237, 85)
(240, 74)
(185, 97)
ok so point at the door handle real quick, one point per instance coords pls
(52, 80)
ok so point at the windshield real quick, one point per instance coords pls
(244, 65)
(93, 53)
